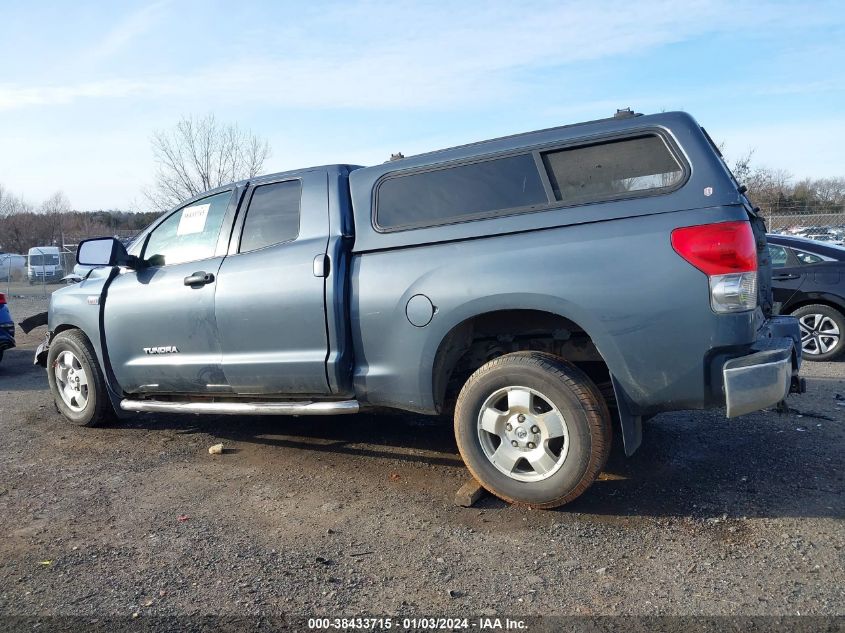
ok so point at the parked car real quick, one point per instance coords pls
(7, 327)
(529, 282)
(809, 282)
(44, 264)
(12, 266)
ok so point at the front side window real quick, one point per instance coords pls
(778, 255)
(272, 216)
(190, 234)
(460, 192)
(612, 169)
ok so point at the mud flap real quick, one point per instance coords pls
(632, 425)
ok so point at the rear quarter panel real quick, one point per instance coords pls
(645, 308)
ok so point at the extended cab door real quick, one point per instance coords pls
(159, 325)
(270, 303)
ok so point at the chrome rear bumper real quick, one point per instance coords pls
(759, 380)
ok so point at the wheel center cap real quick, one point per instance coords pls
(521, 433)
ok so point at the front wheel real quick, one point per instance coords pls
(822, 328)
(532, 429)
(76, 380)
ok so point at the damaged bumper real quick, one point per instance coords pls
(769, 373)
(41, 351)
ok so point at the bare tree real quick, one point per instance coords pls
(199, 154)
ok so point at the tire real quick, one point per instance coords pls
(822, 329)
(554, 413)
(76, 380)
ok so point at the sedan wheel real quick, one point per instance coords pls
(821, 332)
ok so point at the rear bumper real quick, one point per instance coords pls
(766, 376)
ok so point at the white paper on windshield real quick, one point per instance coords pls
(193, 219)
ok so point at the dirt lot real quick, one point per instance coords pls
(353, 515)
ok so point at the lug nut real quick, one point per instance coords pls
(535, 429)
(531, 444)
(509, 427)
(514, 443)
(521, 418)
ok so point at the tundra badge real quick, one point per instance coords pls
(165, 349)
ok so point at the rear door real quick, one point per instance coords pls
(787, 273)
(270, 304)
(159, 324)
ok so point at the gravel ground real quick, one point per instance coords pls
(354, 514)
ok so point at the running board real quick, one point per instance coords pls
(243, 408)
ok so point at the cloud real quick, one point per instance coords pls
(125, 32)
(387, 56)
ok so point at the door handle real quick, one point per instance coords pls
(199, 279)
(784, 276)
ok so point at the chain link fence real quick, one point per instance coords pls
(815, 222)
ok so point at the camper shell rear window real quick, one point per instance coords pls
(616, 168)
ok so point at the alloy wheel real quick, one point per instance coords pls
(71, 381)
(523, 434)
(819, 334)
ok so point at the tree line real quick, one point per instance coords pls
(24, 225)
(777, 192)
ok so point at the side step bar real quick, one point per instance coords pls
(243, 408)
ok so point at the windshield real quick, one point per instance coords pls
(43, 260)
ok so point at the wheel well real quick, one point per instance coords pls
(819, 301)
(480, 339)
(65, 327)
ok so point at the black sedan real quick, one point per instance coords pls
(808, 279)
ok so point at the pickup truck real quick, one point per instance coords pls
(527, 285)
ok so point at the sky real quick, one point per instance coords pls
(83, 85)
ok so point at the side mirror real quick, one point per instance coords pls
(104, 251)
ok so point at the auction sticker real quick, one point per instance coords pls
(193, 219)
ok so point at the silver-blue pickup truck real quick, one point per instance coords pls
(542, 288)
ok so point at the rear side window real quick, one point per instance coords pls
(806, 258)
(612, 169)
(272, 216)
(459, 193)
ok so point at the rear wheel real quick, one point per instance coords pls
(822, 328)
(76, 380)
(532, 429)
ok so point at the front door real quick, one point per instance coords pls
(270, 304)
(159, 321)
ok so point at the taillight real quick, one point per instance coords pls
(727, 253)
(2, 299)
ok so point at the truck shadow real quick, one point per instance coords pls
(690, 464)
